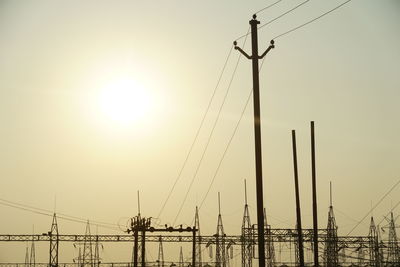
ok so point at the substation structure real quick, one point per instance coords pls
(369, 250)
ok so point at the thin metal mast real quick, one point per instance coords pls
(138, 201)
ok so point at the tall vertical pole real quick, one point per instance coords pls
(298, 211)
(143, 246)
(194, 247)
(257, 134)
(314, 196)
(257, 138)
(135, 247)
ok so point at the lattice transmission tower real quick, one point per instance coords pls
(393, 255)
(331, 245)
(247, 234)
(374, 253)
(220, 257)
(198, 241)
(87, 256)
(53, 234)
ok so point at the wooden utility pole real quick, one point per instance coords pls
(257, 134)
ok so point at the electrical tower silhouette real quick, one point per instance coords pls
(220, 260)
(331, 245)
(198, 241)
(374, 245)
(87, 257)
(53, 235)
(393, 255)
(247, 234)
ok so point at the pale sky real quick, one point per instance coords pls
(65, 137)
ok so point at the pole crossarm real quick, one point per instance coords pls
(271, 46)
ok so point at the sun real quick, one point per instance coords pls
(125, 102)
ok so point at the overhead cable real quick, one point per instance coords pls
(310, 21)
(283, 14)
(197, 134)
(267, 7)
(211, 133)
(229, 142)
(379, 202)
(276, 18)
(44, 212)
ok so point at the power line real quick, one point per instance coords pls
(197, 134)
(267, 7)
(345, 215)
(276, 18)
(379, 202)
(391, 210)
(310, 21)
(224, 153)
(210, 135)
(283, 14)
(229, 142)
(50, 214)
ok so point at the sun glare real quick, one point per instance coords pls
(125, 102)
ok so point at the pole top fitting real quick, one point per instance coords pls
(235, 43)
(254, 16)
(272, 42)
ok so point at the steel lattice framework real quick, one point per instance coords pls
(274, 235)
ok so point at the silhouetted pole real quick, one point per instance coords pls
(314, 196)
(194, 247)
(298, 210)
(257, 135)
(143, 245)
(135, 248)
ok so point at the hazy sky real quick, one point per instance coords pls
(65, 137)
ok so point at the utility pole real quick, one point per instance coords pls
(297, 193)
(314, 197)
(257, 134)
